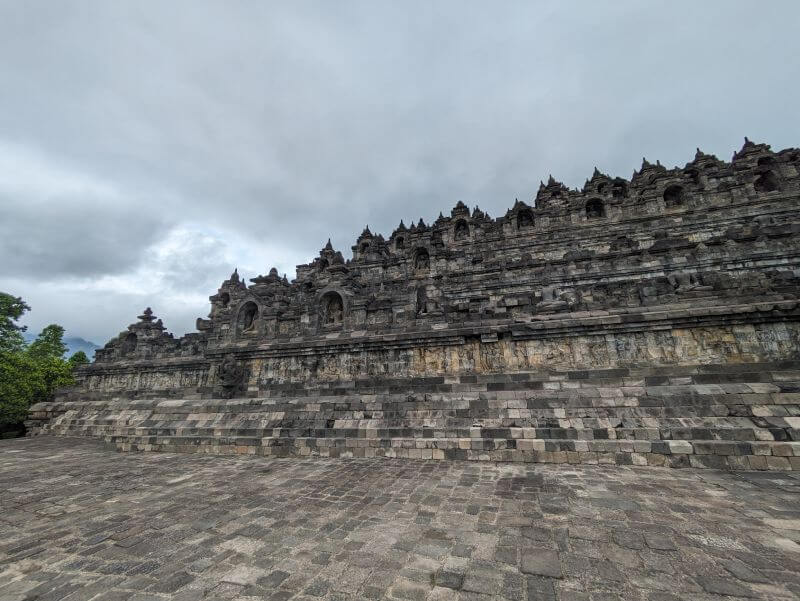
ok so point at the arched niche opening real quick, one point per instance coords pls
(619, 189)
(332, 309)
(595, 209)
(225, 299)
(247, 320)
(766, 182)
(694, 175)
(422, 260)
(673, 196)
(364, 247)
(323, 264)
(601, 188)
(461, 231)
(400, 243)
(422, 300)
(524, 219)
(129, 344)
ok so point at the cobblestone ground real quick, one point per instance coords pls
(80, 522)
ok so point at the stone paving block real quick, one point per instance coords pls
(659, 542)
(114, 596)
(317, 588)
(723, 586)
(273, 579)
(540, 588)
(443, 594)
(484, 582)
(407, 589)
(540, 562)
(173, 583)
(629, 538)
(449, 579)
(243, 575)
(741, 571)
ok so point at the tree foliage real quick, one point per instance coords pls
(11, 309)
(29, 373)
(78, 358)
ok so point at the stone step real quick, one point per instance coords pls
(444, 417)
(556, 404)
(719, 413)
(367, 429)
(767, 455)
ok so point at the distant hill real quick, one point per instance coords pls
(74, 344)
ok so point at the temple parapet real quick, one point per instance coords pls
(148, 339)
(708, 235)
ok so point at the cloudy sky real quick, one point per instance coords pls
(148, 148)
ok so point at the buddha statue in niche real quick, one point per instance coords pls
(248, 317)
(334, 310)
(422, 260)
(551, 301)
(685, 281)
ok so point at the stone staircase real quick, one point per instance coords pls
(743, 416)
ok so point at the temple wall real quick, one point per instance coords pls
(654, 320)
(677, 346)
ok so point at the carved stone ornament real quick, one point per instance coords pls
(231, 376)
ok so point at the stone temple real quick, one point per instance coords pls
(650, 321)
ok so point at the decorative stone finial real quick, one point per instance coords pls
(459, 209)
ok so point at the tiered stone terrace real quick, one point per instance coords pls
(650, 321)
(715, 416)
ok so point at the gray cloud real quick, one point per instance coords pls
(253, 131)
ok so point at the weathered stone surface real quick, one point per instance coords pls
(367, 529)
(649, 321)
(540, 562)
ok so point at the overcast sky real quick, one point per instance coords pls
(148, 148)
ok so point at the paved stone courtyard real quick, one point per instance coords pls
(80, 522)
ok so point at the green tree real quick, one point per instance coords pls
(48, 344)
(16, 370)
(78, 358)
(19, 384)
(29, 373)
(11, 309)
